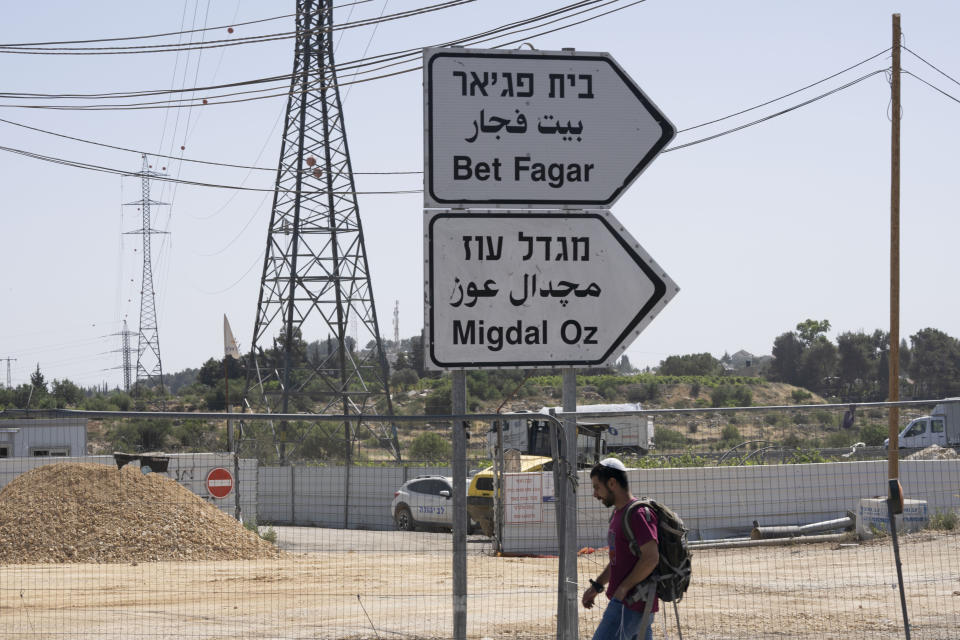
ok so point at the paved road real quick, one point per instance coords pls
(320, 539)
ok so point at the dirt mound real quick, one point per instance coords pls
(70, 512)
(934, 452)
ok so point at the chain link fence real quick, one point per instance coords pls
(177, 537)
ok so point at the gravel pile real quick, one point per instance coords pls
(934, 452)
(72, 512)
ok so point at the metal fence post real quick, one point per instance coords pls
(459, 407)
(569, 488)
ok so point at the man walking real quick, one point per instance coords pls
(626, 569)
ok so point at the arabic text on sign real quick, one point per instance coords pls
(468, 296)
(548, 124)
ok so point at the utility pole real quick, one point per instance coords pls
(149, 365)
(8, 361)
(893, 459)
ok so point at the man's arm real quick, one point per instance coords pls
(646, 563)
(591, 593)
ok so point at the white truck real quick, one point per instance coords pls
(531, 435)
(941, 427)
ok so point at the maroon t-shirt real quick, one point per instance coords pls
(622, 559)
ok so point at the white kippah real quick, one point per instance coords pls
(613, 463)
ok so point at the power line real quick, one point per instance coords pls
(399, 57)
(786, 95)
(777, 114)
(929, 64)
(229, 42)
(256, 168)
(125, 172)
(82, 165)
(172, 33)
(932, 86)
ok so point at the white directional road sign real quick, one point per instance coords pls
(520, 289)
(534, 128)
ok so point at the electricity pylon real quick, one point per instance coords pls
(316, 281)
(149, 364)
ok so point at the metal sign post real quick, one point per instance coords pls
(538, 130)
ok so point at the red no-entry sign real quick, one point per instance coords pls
(219, 482)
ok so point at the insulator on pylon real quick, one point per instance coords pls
(182, 147)
(229, 29)
(311, 161)
(204, 101)
(317, 172)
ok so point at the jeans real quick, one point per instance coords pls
(621, 623)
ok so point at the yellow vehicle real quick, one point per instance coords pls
(480, 491)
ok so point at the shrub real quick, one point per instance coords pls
(800, 396)
(943, 520)
(873, 434)
(270, 534)
(695, 389)
(792, 441)
(438, 402)
(805, 457)
(404, 378)
(431, 447)
(666, 438)
(822, 417)
(731, 396)
(635, 392)
(730, 433)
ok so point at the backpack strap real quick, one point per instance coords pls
(628, 530)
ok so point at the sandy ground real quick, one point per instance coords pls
(362, 584)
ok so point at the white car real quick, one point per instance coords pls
(425, 501)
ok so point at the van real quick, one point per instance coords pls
(941, 427)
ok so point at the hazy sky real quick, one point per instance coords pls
(762, 228)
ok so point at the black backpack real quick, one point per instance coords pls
(672, 574)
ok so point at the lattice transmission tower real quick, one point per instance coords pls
(149, 365)
(127, 362)
(315, 290)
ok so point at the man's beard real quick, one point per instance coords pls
(607, 500)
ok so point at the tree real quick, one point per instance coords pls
(694, 364)
(856, 359)
(37, 380)
(818, 362)
(787, 351)
(935, 362)
(624, 366)
(431, 447)
(812, 330)
(401, 362)
(416, 355)
(211, 373)
(404, 379)
(65, 393)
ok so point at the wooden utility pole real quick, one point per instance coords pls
(894, 388)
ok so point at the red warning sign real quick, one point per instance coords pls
(219, 482)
